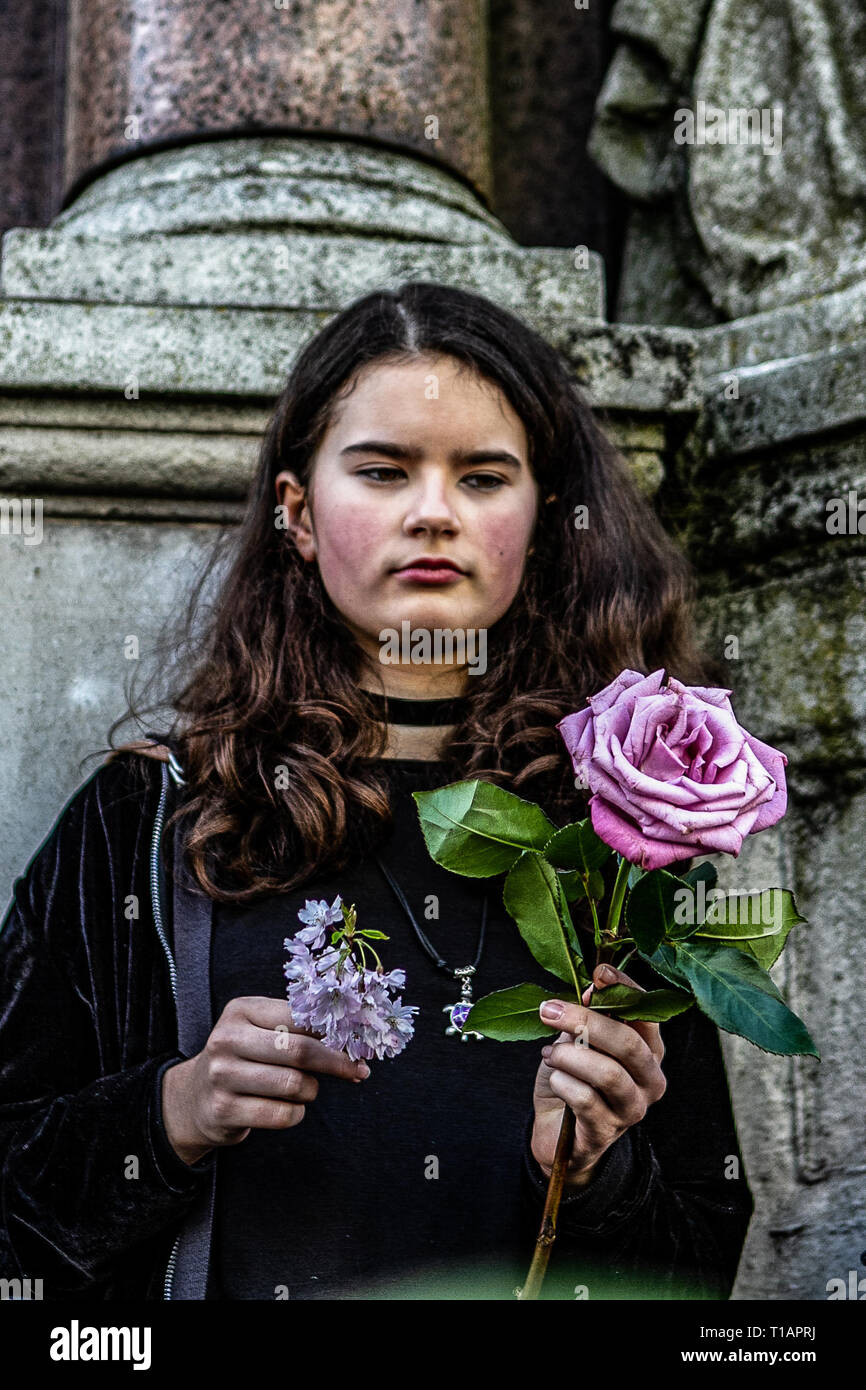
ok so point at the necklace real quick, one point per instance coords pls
(458, 1011)
(391, 709)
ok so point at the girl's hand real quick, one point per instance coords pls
(257, 1070)
(606, 1070)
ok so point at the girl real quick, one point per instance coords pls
(420, 481)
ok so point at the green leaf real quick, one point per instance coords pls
(635, 874)
(511, 1015)
(571, 885)
(757, 923)
(534, 897)
(702, 872)
(652, 1005)
(575, 889)
(376, 935)
(651, 908)
(767, 949)
(663, 961)
(477, 829)
(733, 990)
(577, 847)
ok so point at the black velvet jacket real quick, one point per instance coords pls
(92, 1196)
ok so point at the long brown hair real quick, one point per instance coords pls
(273, 733)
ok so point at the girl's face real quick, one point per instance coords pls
(422, 461)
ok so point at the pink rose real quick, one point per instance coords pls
(671, 771)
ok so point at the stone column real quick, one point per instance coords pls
(143, 73)
(31, 111)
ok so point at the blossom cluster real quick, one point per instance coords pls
(352, 1007)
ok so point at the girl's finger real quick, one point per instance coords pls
(573, 1068)
(597, 1120)
(590, 1028)
(650, 1032)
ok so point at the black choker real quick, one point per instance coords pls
(391, 710)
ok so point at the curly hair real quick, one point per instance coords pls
(267, 683)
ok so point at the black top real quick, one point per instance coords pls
(423, 1172)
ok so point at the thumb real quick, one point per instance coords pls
(604, 975)
(648, 1031)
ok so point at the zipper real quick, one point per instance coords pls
(158, 921)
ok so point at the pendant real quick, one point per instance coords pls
(459, 1012)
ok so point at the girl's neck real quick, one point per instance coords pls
(416, 741)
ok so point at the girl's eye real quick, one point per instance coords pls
(379, 468)
(487, 478)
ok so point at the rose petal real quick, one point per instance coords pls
(628, 841)
(661, 763)
(646, 717)
(711, 694)
(775, 763)
(631, 681)
(671, 771)
(578, 735)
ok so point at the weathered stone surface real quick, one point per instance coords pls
(784, 599)
(747, 218)
(164, 463)
(277, 184)
(246, 352)
(290, 271)
(68, 605)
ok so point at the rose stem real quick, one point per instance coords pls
(565, 1142)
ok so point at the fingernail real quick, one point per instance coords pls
(546, 1051)
(606, 973)
(362, 1069)
(552, 1008)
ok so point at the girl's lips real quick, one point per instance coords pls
(425, 574)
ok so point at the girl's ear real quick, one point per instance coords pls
(291, 495)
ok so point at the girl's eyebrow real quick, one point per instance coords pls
(412, 454)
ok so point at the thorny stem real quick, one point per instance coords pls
(617, 897)
(565, 1142)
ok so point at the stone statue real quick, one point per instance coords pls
(739, 129)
